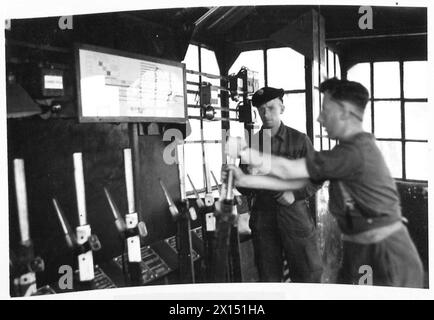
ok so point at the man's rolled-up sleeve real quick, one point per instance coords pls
(343, 162)
(312, 187)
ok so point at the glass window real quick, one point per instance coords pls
(294, 115)
(386, 80)
(338, 67)
(193, 99)
(332, 143)
(416, 79)
(387, 117)
(317, 143)
(392, 152)
(331, 68)
(195, 130)
(361, 73)
(416, 165)
(323, 71)
(325, 144)
(237, 129)
(194, 165)
(367, 118)
(214, 155)
(416, 120)
(285, 69)
(191, 58)
(191, 61)
(209, 65)
(212, 130)
(253, 60)
(257, 120)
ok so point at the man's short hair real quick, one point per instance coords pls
(344, 90)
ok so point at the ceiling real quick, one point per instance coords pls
(247, 23)
(167, 32)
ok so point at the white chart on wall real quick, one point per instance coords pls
(117, 86)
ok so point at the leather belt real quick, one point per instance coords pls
(374, 235)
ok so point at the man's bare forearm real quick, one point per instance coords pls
(270, 183)
(276, 166)
(288, 169)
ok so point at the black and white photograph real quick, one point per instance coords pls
(269, 145)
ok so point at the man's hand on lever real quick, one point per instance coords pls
(260, 163)
(238, 174)
(266, 164)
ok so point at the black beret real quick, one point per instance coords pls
(266, 94)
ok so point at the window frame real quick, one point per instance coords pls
(321, 136)
(286, 92)
(403, 100)
(202, 141)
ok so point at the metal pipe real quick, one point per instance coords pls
(208, 75)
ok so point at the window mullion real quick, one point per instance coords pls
(401, 81)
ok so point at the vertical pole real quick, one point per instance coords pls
(403, 137)
(21, 194)
(132, 174)
(308, 62)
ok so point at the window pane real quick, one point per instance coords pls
(285, 69)
(416, 79)
(332, 143)
(361, 73)
(194, 165)
(387, 117)
(209, 65)
(386, 80)
(191, 59)
(367, 120)
(323, 71)
(253, 60)
(214, 155)
(195, 130)
(317, 144)
(212, 130)
(257, 120)
(237, 129)
(416, 120)
(416, 165)
(316, 104)
(331, 68)
(338, 67)
(325, 144)
(193, 99)
(392, 152)
(294, 115)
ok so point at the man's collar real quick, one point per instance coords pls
(280, 132)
